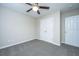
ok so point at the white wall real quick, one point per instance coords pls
(37, 28)
(50, 28)
(15, 28)
(63, 16)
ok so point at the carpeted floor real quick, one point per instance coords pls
(39, 48)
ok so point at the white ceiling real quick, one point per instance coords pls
(22, 8)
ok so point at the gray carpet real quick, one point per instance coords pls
(39, 48)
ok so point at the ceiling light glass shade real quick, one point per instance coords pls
(35, 8)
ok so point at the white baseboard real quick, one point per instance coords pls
(26, 41)
(15, 44)
(51, 42)
(71, 45)
(58, 44)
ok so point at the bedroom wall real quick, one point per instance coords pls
(15, 28)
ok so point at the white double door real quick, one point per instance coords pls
(46, 29)
(72, 30)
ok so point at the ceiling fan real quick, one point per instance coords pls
(36, 7)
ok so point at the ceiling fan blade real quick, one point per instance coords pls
(29, 10)
(43, 7)
(38, 11)
(29, 4)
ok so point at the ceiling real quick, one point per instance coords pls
(22, 8)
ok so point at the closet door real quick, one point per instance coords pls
(72, 30)
(46, 29)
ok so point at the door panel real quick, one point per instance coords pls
(46, 30)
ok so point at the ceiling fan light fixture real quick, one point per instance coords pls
(35, 8)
